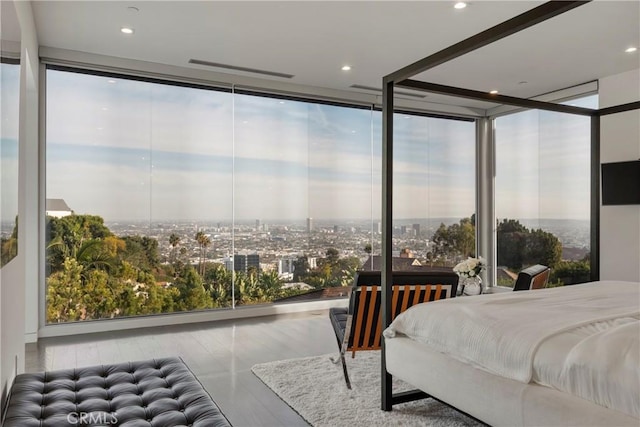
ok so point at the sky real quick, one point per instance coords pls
(130, 150)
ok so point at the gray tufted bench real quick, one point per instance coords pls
(157, 393)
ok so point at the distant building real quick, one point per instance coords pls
(286, 266)
(309, 225)
(57, 208)
(245, 262)
(416, 229)
(406, 253)
(228, 264)
(297, 285)
(402, 263)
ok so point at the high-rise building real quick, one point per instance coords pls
(416, 229)
(245, 262)
(309, 225)
(253, 260)
(257, 224)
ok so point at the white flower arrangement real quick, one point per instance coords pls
(470, 267)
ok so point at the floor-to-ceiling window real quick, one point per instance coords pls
(169, 198)
(9, 107)
(434, 191)
(542, 193)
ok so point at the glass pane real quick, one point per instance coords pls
(434, 192)
(340, 192)
(543, 194)
(271, 214)
(191, 204)
(99, 253)
(9, 99)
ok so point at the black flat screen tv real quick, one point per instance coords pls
(621, 183)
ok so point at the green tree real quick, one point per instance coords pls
(517, 246)
(300, 268)
(455, 242)
(192, 293)
(511, 239)
(543, 248)
(569, 272)
(66, 236)
(141, 251)
(65, 294)
(9, 246)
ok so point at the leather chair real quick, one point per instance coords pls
(358, 327)
(534, 277)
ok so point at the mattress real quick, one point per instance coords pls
(582, 340)
(496, 400)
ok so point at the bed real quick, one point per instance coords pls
(559, 356)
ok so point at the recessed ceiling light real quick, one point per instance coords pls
(346, 67)
(493, 92)
(631, 49)
(126, 30)
(111, 81)
(460, 5)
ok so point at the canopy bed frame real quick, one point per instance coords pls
(402, 78)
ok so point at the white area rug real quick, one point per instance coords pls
(315, 388)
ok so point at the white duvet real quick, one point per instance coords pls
(596, 326)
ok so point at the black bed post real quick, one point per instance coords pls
(595, 198)
(387, 230)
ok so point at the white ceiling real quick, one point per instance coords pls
(9, 28)
(312, 39)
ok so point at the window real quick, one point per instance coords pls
(434, 191)
(9, 106)
(163, 198)
(542, 193)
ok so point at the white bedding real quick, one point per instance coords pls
(501, 333)
(581, 362)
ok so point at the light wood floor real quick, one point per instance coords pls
(220, 354)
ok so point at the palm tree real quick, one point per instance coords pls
(204, 241)
(174, 241)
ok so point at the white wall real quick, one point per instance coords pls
(20, 277)
(620, 141)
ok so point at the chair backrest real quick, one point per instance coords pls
(408, 289)
(534, 277)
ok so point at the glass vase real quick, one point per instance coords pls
(470, 285)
